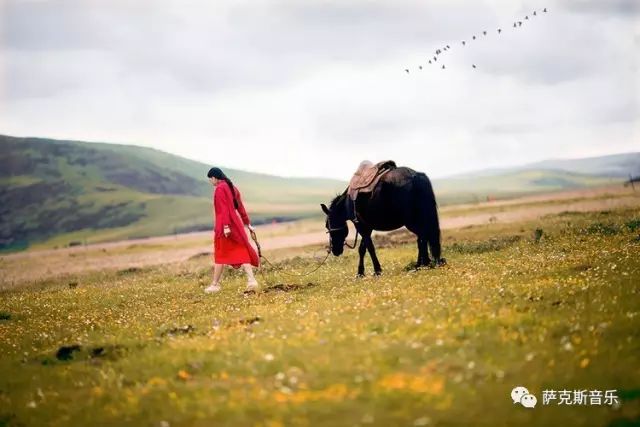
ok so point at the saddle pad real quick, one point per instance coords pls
(367, 177)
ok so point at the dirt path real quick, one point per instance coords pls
(41, 264)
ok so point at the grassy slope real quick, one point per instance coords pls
(434, 347)
(614, 165)
(449, 192)
(74, 191)
(617, 165)
(56, 192)
(257, 187)
(512, 184)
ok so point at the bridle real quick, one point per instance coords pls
(329, 230)
(345, 226)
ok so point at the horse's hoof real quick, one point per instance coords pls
(378, 273)
(442, 262)
(360, 276)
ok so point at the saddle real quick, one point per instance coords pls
(367, 176)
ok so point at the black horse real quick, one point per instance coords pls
(402, 197)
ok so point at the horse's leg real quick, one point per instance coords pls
(419, 240)
(424, 252)
(372, 252)
(362, 249)
(434, 245)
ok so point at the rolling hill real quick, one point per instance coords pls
(611, 166)
(540, 177)
(108, 191)
(615, 165)
(475, 188)
(68, 192)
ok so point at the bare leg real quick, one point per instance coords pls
(217, 274)
(249, 270)
(252, 283)
(218, 269)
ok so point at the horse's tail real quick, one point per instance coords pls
(433, 222)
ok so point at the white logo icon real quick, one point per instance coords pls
(522, 396)
(517, 393)
(529, 401)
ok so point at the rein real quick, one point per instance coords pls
(254, 237)
(355, 241)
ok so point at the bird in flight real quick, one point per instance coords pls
(438, 51)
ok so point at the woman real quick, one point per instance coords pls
(230, 243)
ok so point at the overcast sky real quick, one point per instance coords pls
(311, 88)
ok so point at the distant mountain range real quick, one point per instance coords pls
(614, 165)
(66, 192)
(539, 177)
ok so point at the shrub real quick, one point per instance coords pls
(537, 235)
(490, 245)
(633, 225)
(606, 229)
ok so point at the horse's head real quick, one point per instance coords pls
(336, 224)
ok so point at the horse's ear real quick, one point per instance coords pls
(325, 209)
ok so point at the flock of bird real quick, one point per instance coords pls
(434, 60)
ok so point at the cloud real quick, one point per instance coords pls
(283, 81)
(626, 8)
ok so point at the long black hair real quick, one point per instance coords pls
(218, 174)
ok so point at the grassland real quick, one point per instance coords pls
(61, 192)
(286, 239)
(510, 184)
(57, 193)
(549, 309)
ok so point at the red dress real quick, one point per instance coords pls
(235, 249)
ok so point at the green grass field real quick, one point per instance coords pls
(510, 184)
(554, 309)
(53, 193)
(62, 193)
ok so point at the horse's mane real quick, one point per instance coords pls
(337, 199)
